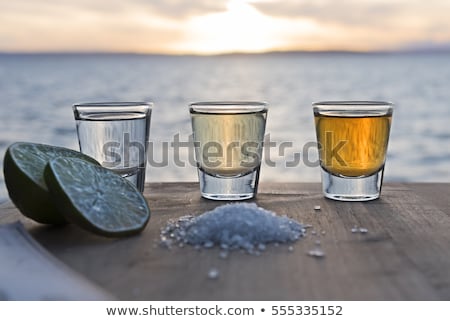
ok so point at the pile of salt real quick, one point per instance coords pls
(233, 226)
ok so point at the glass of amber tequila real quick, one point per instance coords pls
(352, 138)
(228, 138)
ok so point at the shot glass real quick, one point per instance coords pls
(352, 138)
(228, 138)
(116, 135)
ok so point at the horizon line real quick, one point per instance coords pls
(231, 53)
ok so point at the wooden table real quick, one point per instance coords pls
(404, 256)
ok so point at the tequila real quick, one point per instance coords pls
(117, 139)
(352, 138)
(352, 145)
(229, 145)
(228, 139)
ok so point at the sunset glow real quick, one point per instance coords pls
(220, 26)
(241, 28)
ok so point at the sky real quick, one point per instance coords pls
(221, 26)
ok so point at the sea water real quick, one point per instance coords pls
(37, 92)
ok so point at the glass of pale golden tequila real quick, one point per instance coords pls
(116, 135)
(352, 138)
(228, 138)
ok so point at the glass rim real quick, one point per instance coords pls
(228, 106)
(352, 104)
(353, 108)
(111, 110)
(113, 104)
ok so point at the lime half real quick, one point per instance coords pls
(23, 169)
(95, 198)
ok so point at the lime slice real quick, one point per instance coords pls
(23, 169)
(95, 198)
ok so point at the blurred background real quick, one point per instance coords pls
(54, 53)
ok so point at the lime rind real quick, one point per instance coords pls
(95, 198)
(23, 169)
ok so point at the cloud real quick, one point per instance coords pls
(83, 25)
(184, 8)
(377, 13)
(174, 26)
(366, 24)
(166, 8)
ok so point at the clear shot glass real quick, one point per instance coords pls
(116, 135)
(228, 139)
(352, 138)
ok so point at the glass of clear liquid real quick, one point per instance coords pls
(353, 138)
(228, 138)
(116, 135)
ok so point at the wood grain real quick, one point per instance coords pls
(404, 256)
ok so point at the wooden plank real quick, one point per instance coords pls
(404, 256)
(419, 224)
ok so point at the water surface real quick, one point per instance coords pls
(37, 92)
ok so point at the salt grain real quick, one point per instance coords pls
(208, 244)
(233, 226)
(261, 247)
(213, 273)
(318, 253)
(361, 230)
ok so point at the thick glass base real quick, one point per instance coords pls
(135, 175)
(352, 189)
(221, 188)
